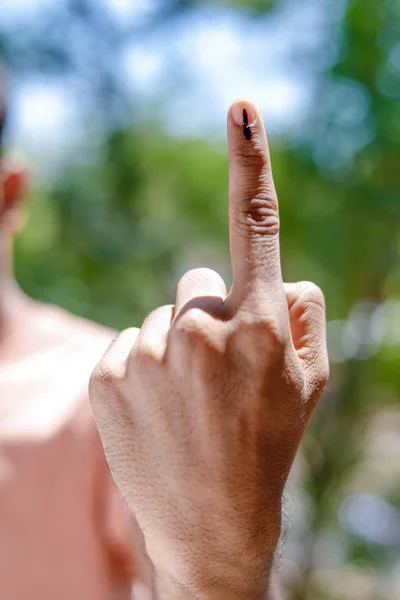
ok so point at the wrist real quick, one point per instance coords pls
(238, 564)
(213, 582)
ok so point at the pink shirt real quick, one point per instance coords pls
(65, 533)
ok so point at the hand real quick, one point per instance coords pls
(202, 414)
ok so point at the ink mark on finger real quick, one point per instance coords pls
(246, 126)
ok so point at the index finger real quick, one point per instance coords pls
(253, 208)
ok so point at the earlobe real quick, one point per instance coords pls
(14, 184)
(14, 179)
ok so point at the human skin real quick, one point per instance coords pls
(65, 532)
(202, 411)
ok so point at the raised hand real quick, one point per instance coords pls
(202, 412)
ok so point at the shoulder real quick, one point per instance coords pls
(58, 328)
(81, 345)
(66, 348)
(45, 380)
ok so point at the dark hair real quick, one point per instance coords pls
(2, 105)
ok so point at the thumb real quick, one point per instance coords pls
(306, 304)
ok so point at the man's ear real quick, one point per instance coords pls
(14, 183)
(14, 178)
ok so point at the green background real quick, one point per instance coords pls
(119, 220)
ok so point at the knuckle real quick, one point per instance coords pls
(147, 355)
(191, 329)
(257, 195)
(310, 293)
(105, 377)
(199, 274)
(261, 223)
(202, 283)
(320, 379)
(260, 212)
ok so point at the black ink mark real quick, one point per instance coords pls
(246, 126)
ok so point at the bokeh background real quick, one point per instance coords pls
(119, 105)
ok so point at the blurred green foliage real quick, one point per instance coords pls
(111, 235)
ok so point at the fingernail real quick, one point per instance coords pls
(243, 112)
